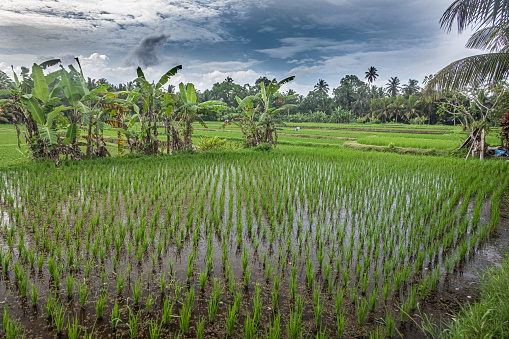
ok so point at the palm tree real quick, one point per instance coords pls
(392, 87)
(322, 86)
(411, 107)
(397, 106)
(490, 18)
(371, 75)
(383, 109)
(411, 88)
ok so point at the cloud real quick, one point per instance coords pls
(146, 53)
(223, 65)
(290, 47)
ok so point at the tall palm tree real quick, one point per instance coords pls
(392, 87)
(411, 107)
(322, 86)
(371, 75)
(491, 19)
(411, 88)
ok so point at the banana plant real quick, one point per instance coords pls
(37, 106)
(154, 103)
(42, 109)
(257, 112)
(190, 111)
(89, 107)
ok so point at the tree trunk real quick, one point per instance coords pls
(167, 138)
(483, 137)
(89, 138)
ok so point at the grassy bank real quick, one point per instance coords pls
(487, 318)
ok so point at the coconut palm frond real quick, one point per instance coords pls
(475, 12)
(491, 39)
(471, 71)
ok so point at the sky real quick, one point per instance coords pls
(214, 39)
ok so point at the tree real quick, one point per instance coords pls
(411, 107)
(321, 86)
(189, 111)
(392, 86)
(475, 109)
(257, 112)
(316, 100)
(154, 103)
(397, 106)
(371, 75)
(411, 88)
(347, 91)
(383, 109)
(490, 18)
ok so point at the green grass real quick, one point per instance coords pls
(487, 318)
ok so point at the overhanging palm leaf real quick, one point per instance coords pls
(471, 71)
(491, 39)
(475, 12)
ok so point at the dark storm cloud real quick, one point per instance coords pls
(146, 53)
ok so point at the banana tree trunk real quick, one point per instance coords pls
(89, 138)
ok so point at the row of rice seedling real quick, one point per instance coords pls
(237, 244)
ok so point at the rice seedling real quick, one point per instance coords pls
(361, 307)
(231, 319)
(69, 283)
(340, 324)
(249, 328)
(257, 306)
(99, 306)
(137, 289)
(167, 310)
(58, 318)
(34, 295)
(200, 328)
(317, 310)
(149, 302)
(294, 327)
(73, 331)
(132, 325)
(154, 329)
(273, 331)
(247, 275)
(390, 325)
(115, 316)
(372, 299)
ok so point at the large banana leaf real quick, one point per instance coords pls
(40, 90)
(34, 108)
(48, 133)
(16, 80)
(167, 75)
(70, 89)
(53, 114)
(191, 93)
(140, 73)
(183, 92)
(72, 132)
(49, 63)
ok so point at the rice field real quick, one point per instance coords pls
(239, 244)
